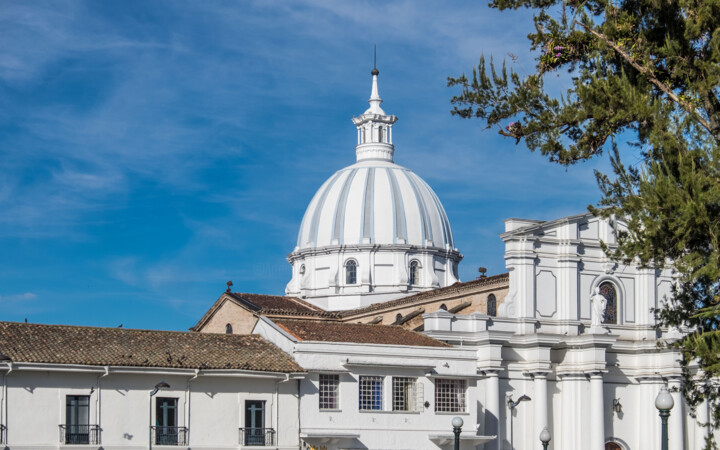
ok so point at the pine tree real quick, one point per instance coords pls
(647, 72)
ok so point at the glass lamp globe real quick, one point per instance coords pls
(664, 400)
(457, 422)
(545, 436)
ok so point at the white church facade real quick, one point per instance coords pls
(375, 344)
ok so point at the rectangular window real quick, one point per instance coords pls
(329, 388)
(166, 421)
(404, 393)
(255, 432)
(450, 395)
(77, 417)
(371, 393)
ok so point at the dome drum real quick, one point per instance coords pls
(381, 273)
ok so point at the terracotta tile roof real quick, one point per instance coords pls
(455, 288)
(63, 344)
(324, 331)
(271, 303)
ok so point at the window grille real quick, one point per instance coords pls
(404, 393)
(491, 305)
(329, 389)
(371, 393)
(350, 272)
(450, 395)
(607, 290)
(414, 273)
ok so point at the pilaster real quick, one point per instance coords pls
(676, 422)
(492, 409)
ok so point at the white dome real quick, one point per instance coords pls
(375, 202)
(374, 231)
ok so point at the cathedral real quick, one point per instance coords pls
(376, 343)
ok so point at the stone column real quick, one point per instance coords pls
(492, 409)
(540, 403)
(571, 395)
(676, 428)
(597, 413)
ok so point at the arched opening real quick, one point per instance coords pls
(228, 328)
(302, 269)
(492, 305)
(380, 134)
(443, 307)
(414, 273)
(609, 291)
(612, 446)
(398, 318)
(351, 272)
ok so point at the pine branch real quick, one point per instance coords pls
(648, 73)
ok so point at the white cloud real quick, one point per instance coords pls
(26, 297)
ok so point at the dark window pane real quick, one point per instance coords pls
(492, 305)
(351, 272)
(608, 291)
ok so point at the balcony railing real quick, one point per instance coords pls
(257, 436)
(169, 435)
(80, 434)
(2, 434)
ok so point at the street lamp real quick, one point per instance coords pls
(664, 403)
(512, 405)
(158, 387)
(545, 438)
(457, 424)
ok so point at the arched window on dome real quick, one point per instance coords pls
(302, 269)
(414, 272)
(351, 272)
(609, 291)
(492, 305)
(228, 328)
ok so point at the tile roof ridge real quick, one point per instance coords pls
(306, 303)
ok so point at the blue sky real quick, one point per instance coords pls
(151, 151)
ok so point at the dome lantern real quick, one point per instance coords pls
(374, 128)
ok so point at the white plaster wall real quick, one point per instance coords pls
(384, 429)
(212, 408)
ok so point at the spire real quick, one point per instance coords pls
(375, 99)
(374, 127)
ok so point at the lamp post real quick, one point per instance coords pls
(457, 424)
(158, 387)
(511, 405)
(664, 403)
(545, 438)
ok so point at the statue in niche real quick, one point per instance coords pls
(598, 302)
